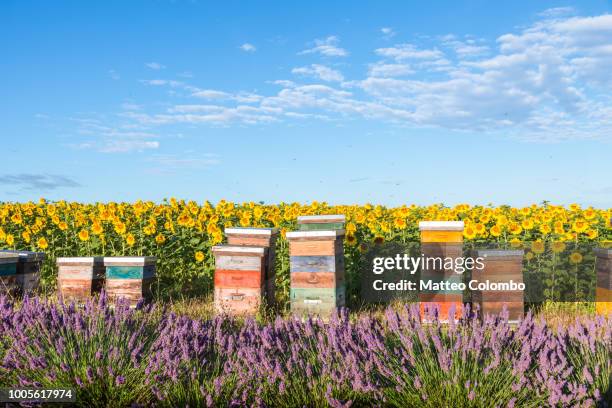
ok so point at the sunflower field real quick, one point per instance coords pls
(180, 233)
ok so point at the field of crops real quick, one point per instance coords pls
(180, 234)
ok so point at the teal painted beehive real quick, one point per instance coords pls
(8, 273)
(28, 270)
(130, 278)
(321, 222)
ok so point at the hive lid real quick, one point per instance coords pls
(8, 258)
(129, 260)
(237, 249)
(87, 260)
(321, 219)
(315, 234)
(27, 256)
(603, 252)
(251, 231)
(493, 253)
(441, 225)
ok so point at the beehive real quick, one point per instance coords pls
(441, 239)
(321, 222)
(239, 278)
(500, 266)
(80, 278)
(8, 273)
(259, 237)
(28, 270)
(130, 278)
(317, 272)
(603, 292)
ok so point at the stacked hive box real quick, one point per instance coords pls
(259, 237)
(603, 292)
(28, 270)
(317, 269)
(440, 240)
(8, 273)
(499, 267)
(321, 222)
(80, 278)
(129, 278)
(239, 278)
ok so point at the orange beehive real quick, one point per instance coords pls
(441, 239)
(239, 278)
(259, 237)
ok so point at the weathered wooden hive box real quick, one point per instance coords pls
(317, 272)
(259, 237)
(8, 273)
(500, 266)
(130, 278)
(80, 278)
(28, 270)
(440, 240)
(603, 292)
(321, 222)
(239, 278)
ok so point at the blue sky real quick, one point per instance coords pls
(348, 102)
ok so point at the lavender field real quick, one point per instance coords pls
(114, 356)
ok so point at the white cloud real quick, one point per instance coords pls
(549, 80)
(125, 146)
(388, 32)
(557, 12)
(327, 47)
(211, 94)
(248, 47)
(155, 65)
(319, 71)
(403, 52)
(380, 69)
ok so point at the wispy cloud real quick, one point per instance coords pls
(38, 182)
(125, 146)
(320, 72)
(247, 47)
(547, 81)
(186, 159)
(155, 66)
(388, 33)
(114, 75)
(327, 47)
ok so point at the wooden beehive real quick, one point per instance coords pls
(441, 239)
(130, 278)
(321, 222)
(239, 278)
(8, 273)
(500, 266)
(603, 292)
(317, 272)
(28, 270)
(259, 237)
(79, 278)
